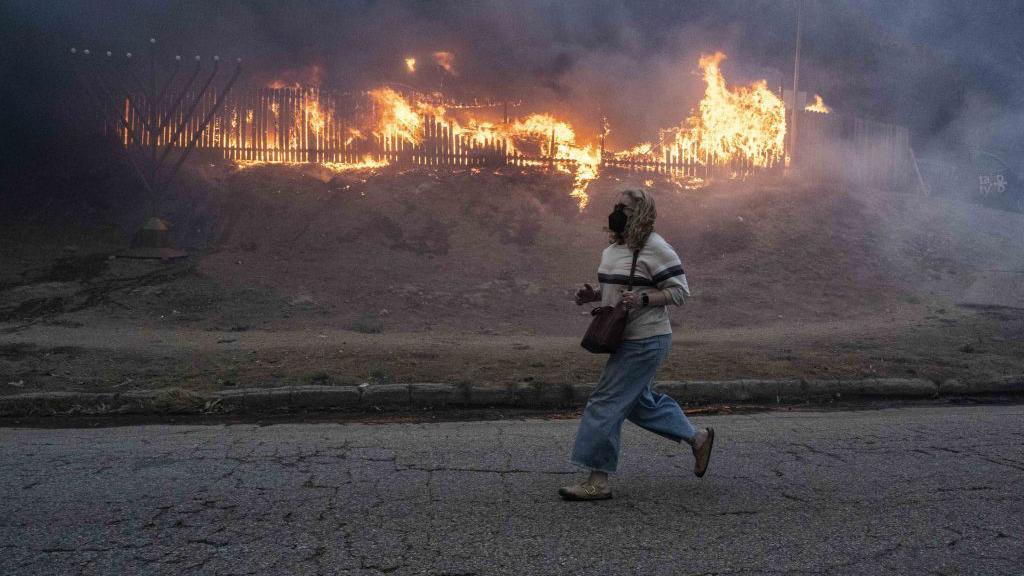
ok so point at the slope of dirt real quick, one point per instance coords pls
(422, 276)
(486, 252)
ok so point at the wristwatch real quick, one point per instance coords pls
(644, 299)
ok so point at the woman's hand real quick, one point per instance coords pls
(587, 294)
(631, 299)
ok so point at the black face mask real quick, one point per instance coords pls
(617, 219)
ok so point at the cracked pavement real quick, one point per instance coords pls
(924, 490)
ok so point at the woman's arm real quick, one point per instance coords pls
(669, 278)
(671, 296)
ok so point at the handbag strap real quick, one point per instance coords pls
(632, 269)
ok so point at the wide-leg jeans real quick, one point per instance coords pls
(625, 392)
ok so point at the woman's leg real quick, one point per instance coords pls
(625, 377)
(659, 413)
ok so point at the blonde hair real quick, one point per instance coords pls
(641, 222)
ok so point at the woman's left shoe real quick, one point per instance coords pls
(703, 454)
(586, 490)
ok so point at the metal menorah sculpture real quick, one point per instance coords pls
(159, 115)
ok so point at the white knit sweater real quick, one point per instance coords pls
(657, 269)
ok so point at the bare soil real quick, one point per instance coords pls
(309, 277)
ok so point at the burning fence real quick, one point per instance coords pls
(733, 131)
(740, 129)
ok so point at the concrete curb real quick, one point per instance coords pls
(375, 397)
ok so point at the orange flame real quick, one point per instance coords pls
(272, 131)
(748, 122)
(554, 139)
(561, 143)
(278, 84)
(367, 163)
(410, 65)
(644, 151)
(445, 60)
(353, 135)
(818, 106)
(316, 118)
(399, 118)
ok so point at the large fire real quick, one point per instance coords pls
(741, 124)
(746, 123)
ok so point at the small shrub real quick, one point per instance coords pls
(378, 375)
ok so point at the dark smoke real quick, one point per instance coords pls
(950, 71)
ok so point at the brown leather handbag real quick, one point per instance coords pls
(608, 323)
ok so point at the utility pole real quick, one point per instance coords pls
(604, 133)
(796, 84)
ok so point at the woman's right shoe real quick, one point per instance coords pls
(703, 454)
(586, 490)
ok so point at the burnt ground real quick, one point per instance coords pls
(301, 276)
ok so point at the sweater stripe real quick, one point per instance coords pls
(667, 273)
(623, 279)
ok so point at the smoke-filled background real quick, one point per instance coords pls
(950, 71)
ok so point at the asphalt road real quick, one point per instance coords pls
(925, 490)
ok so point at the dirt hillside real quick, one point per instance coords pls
(298, 275)
(486, 252)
